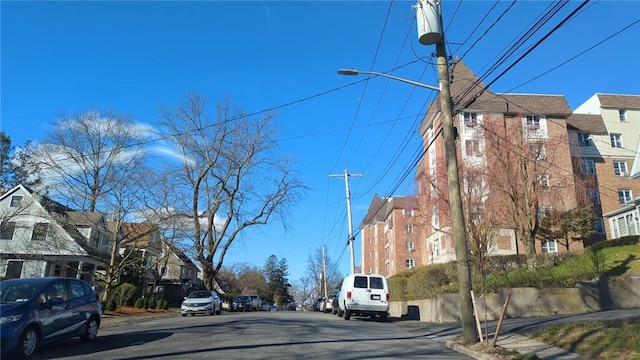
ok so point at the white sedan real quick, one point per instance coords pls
(201, 302)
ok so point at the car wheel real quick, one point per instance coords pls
(219, 312)
(184, 314)
(91, 330)
(347, 314)
(28, 343)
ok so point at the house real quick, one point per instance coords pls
(39, 237)
(178, 275)
(390, 242)
(503, 140)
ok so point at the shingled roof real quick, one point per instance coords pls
(619, 101)
(586, 123)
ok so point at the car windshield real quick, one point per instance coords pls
(199, 294)
(16, 291)
(243, 298)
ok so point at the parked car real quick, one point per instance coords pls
(334, 304)
(317, 304)
(242, 303)
(327, 305)
(201, 302)
(266, 306)
(256, 302)
(36, 311)
(364, 295)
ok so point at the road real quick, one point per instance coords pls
(258, 335)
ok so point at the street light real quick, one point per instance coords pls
(453, 183)
(358, 72)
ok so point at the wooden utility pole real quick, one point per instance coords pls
(351, 249)
(430, 30)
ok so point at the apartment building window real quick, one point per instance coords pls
(625, 196)
(616, 140)
(544, 182)
(538, 151)
(6, 230)
(410, 263)
(620, 168)
(470, 119)
(544, 211)
(370, 256)
(370, 241)
(40, 232)
(472, 148)
(599, 226)
(436, 247)
(594, 195)
(435, 220)
(549, 246)
(409, 246)
(588, 167)
(583, 139)
(623, 115)
(408, 229)
(533, 122)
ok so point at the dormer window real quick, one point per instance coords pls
(15, 200)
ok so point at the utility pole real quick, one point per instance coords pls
(430, 30)
(346, 182)
(324, 271)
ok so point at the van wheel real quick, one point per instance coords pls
(340, 313)
(383, 317)
(347, 314)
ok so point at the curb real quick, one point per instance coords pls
(466, 351)
(108, 321)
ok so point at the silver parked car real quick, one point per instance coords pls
(201, 302)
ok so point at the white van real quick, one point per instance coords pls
(364, 295)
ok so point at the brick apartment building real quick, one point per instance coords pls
(550, 145)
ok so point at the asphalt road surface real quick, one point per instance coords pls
(257, 335)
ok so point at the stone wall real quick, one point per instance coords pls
(529, 302)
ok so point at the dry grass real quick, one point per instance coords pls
(133, 311)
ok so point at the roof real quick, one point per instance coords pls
(619, 101)
(586, 123)
(379, 209)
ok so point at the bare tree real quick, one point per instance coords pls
(89, 155)
(316, 272)
(230, 176)
(95, 161)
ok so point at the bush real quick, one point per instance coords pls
(111, 305)
(123, 294)
(163, 304)
(623, 241)
(139, 303)
(145, 303)
(153, 303)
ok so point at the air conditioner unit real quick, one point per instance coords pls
(624, 173)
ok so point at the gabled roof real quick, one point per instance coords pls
(619, 101)
(586, 123)
(379, 209)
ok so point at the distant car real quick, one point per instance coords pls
(242, 303)
(317, 304)
(256, 302)
(327, 306)
(35, 311)
(201, 302)
(266, 306)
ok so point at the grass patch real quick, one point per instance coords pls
(619, 339)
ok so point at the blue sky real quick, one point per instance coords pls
(132, 57)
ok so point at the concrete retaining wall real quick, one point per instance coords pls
(528, 302)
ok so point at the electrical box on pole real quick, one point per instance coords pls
(429, 24)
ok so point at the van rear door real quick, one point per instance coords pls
(369, 290)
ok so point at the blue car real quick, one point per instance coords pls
(35, 311)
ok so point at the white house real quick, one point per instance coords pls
(39, 238)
